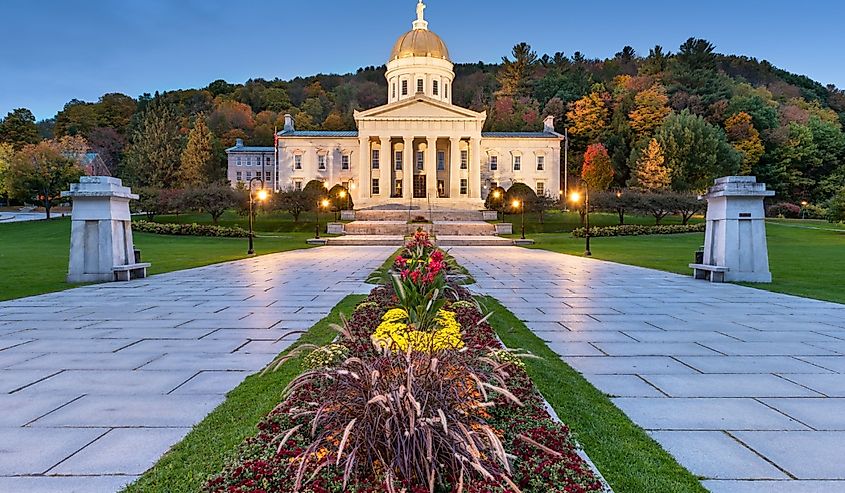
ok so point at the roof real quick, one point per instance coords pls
(520, 135)
(320, 133)
(250, 149)
(420, 42)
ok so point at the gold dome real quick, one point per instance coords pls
(420, 42)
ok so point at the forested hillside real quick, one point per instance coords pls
(698, 112)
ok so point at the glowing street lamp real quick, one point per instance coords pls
(261, 195)
(804, 205)
(519, 205)
(497, 194)
(575, 197)
(320, 204)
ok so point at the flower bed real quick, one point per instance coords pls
(638, 230)
(414, 400)
(189, 229)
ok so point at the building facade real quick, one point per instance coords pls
(419, 146)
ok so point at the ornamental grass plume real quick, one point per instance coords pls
(412, 418)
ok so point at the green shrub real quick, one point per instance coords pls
(637, 230)
(189, 230)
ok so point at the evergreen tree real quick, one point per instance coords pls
(198, 156)
(514, 76)
(155, 148)
(19, 129)
(651, 172)
(6, 153)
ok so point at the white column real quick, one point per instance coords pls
(455, 168)
(386, 158)
(431, 166)
(408, 167)
(475, 169)
(364, 169)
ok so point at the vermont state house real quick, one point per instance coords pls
(417, 146)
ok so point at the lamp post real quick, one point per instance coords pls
(576, 198)
(261, 196)
(519, 205)
(804, 204)
(345, 195)
(320, 203)
(497, 194)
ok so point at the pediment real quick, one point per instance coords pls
(420, 108)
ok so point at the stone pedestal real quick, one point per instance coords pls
(736, 229)
(347, 215)
(101, 247)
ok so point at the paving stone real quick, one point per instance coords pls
(751, 364)
(832, 363)
(20, 408)
(624, 386)
(818, 413)
(767, 348)
(653, 349)
(212, 382)
(12, 380)
(109, 382)
(627, 365)
(739, 385)
(82, 361)
(25, 451)
(125, 451)
(831, 385)
(804, 454)
(774, 486)
(715, 455)
(51, 484)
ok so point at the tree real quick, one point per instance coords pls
(6, 154)
(491, 203)
(651, 107)
(340, 203)
(695, 151)
(685, 205)
(658, 205)
(746, 140)
(515, 74)
(19, 129)
(213, 199)
(589, 115)
(155, 148)
(836, 207)
(294, 202)
(522, 193)
(40, 172)
(316, 190)
(597, 170)
(197, 158)
(542, 204)
(651, 172)
(620, 202)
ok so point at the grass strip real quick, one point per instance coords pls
(213, 441)
(624, 453)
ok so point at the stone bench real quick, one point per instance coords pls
(130, 271)
(713, 273)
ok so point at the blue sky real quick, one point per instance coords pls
(82, 49)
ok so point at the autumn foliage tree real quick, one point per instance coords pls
(198, 155)
(651, 107)
(589, 115)
(746, 140)
(651, 172)
(597, 169)
(39, 172)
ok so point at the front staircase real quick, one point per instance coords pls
(450, 227)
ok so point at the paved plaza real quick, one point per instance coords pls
(96, 383)
(746, 388)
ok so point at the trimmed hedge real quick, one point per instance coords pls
(637, 230)
(189, 230)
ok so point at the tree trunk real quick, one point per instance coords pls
(621, 213)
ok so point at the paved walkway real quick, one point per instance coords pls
(96, 383)
(746, 388)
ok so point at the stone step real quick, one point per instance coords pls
(454, 228)
(447, 241)
(366, 240)
(404, 215)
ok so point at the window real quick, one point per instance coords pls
(494, 163)
(375, 159)
(446, 90)
(344, 162)
(541, 163)
(376, 190)
(249, 175)
(464, 159)
(541, 188)
(463, 186)
(321, 162)
(394, 90)
(268, 160)
(420, 160)
(255, 160)
(435, 88)
(297, 185)
(239, 176)
(238, 161)
(268, 176)
(397, 160)
(420, 85)
(404, 87)
(297, 161)
(517, 163)
(441, 161)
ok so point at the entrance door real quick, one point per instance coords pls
(419, 187)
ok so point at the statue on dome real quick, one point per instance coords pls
(421, 11)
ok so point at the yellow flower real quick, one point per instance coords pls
(393, 333)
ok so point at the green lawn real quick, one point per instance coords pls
(804, 261)
(34, 255)
(215, 439)
(626, 456)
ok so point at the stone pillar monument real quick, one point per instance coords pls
(735, 241)
(101, 247)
